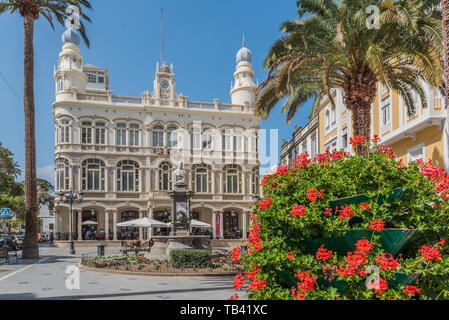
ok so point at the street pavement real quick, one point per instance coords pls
(46, 279)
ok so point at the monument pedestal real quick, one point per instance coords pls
(166, 244)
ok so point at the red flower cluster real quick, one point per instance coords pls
(387, 262)
(327, 155)
(298, 211)
(364, 206)
(364, 246)
(258, 284)
(290, 256)
(235, 254)
(377, 225)
(239, 280)
(411, 290)
(254, 242)
(356, 140)
(376, 138)
(328, 211)
(329, 273)
(430, 253)
(265, 203)
(312, 194)
(302, 160)
(346, 212)
(379, 287)
(282, 170)
(323, 254)
(234, 297)
(306, 283)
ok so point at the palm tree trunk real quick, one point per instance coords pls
(30, 245)
(359, 92)
(445, 15)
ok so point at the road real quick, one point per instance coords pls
(46, 279)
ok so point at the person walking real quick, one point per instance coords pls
(51, 239)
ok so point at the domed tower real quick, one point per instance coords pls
(243, 92)
(69, 74)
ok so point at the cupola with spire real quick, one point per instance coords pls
(69, 75)
(243, 91)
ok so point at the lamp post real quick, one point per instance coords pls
(71, 198)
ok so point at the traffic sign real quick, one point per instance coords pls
(5, 213)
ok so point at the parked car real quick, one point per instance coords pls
(20, 240)
(11, 242)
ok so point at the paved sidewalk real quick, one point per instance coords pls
(46, 279)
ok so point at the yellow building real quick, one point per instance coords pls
(417, 136)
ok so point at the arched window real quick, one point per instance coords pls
(86, 132)
(207, 139)
(255, 180)
(232, 179)
(202, 178)
(100, 132)
(60, 84)
(227, 139)
(165, 176)
(134, 133)
(127, 176)
(62, 175)
(195, 138)
(120, 134)
(63, 131)
(158, 136)
(93, 175)
(172, 136)
(238, 140)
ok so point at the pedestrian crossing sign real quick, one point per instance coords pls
(5, 213)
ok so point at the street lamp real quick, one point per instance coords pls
(71, 198)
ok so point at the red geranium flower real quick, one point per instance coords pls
(364, 206)
(346, 212)
(323, 254)
(239, 280)
(235, 254)
(298, 211)
(312, 194)
(265, 203)
(356, 140)
(411, 290)
(290, 256)
(377, 225)
(376, 138)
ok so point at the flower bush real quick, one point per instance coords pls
(307, 201)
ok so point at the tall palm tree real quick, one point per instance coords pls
(445, 16)
(30, 10)
(336, 44)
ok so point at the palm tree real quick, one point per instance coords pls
(30, 10)
(445, 15)
(336, 44)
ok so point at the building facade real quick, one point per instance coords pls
(121, 151)
(420, 135)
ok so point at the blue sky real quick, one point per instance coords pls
(201, 40)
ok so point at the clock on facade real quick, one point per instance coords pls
(165, 84)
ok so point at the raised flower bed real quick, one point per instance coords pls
(349, 227)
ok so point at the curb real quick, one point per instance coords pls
(154, 274)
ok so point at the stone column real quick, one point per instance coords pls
(80, 226)
(140, 228)
(151, 217)
(214, 225)
(115, 224)
(221, 225)
(106, 224)
(244, 224)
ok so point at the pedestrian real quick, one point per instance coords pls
(51, 239)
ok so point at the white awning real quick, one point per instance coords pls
(142, 223)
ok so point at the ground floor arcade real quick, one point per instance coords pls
(100, 223)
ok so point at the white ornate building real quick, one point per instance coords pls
(117, 149)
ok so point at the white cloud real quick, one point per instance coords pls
(47, 173)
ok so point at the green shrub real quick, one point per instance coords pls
(191, 259)
(299, 208)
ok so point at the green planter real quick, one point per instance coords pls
(397, 193)
(392, 241)
(342, 287)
